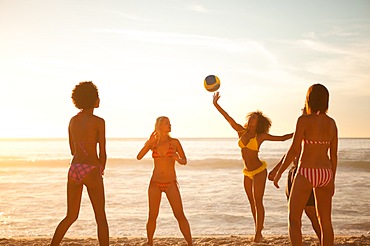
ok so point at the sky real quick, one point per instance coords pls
(149, 58)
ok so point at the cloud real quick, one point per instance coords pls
(206, 42)
(198, 8)
(317, 45)
(129, 16)
(346, 66)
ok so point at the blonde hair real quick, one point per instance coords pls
(157, 125)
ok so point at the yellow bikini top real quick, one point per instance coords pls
(252, 144)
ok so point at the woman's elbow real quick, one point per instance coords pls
(288, 136)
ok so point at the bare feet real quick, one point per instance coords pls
(258, 238)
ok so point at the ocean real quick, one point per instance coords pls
(33, 175)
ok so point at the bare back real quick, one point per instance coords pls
(319, 136)
(85, 132)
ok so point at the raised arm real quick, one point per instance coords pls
(292, 153)
(149, 144)
(231, 121)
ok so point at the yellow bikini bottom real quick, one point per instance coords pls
(250, 174)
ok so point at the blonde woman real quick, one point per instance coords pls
(166, 151)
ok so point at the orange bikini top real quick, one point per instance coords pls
(170, 152)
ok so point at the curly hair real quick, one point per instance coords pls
(84, 95)
(317, 99)
(263, 124)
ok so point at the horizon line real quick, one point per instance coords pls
(131, 138)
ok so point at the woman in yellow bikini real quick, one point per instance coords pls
(86, 132)
(317, 165)
(165, 152)
(251, 136)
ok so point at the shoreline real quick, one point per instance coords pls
(198, 240)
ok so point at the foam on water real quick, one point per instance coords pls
(33, 192)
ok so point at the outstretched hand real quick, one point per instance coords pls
(176, 157)
(276, 180)
(216, 96)
(272, 175)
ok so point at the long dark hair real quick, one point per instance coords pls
(317, 99)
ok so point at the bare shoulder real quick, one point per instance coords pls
(73, 118)
(304, 118)
(332, 121)
(98, 119)
(175, 142)
(263, 136)
(333, 125)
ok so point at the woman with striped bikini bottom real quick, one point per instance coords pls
(316, 168)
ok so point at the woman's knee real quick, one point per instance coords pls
(71, 218)
(180, 216)
(326, 225)
(258, 201)
(152, 216)
(310, 211)
(101, 218)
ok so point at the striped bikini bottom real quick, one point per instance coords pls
(318, 177)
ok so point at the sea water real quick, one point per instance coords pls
(33, 175)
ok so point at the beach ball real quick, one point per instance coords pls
(212, 83)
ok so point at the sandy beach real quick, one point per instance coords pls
(203, 240)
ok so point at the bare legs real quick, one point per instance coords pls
(311, 214)
(154, 199)
(255, 190)
(74, 192)
(95, 188)
(324, 197)
(301, 190)
(174, 198)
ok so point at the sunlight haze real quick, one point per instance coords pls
(149, 58)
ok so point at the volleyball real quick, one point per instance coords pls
(212, 83)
